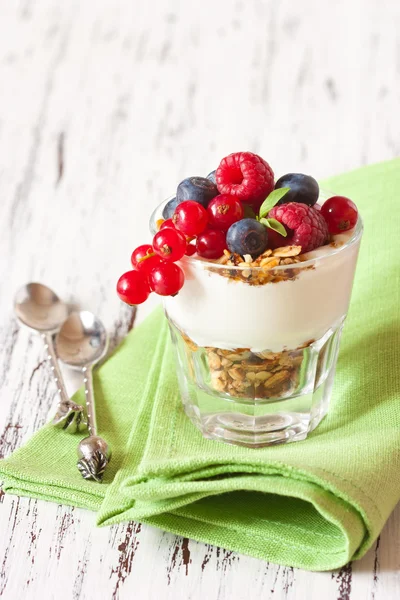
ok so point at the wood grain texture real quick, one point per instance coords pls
(103, 108)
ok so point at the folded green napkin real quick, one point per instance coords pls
(314, 504)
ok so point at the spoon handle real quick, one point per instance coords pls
(52, 358)
(89, 396)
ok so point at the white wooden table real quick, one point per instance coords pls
(104, 107)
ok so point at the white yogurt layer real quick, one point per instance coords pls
(214, 310)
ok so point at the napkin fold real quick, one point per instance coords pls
(314, 504)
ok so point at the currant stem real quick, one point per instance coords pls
(149, 255)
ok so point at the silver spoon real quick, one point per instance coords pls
(81, 342)
(40, 309)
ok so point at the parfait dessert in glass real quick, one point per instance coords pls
(256, 277)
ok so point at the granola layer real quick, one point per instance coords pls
(261, 270)
(263, 375)
(246, 374)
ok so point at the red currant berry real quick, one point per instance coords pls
(143, 259)
(140, 253)
(190, 217)
(190, 249)
(340, 213)
(147, 265)
(211, 243)
(170, 244)
(224, 211)
(167, 279)
(167, 223)
(133, 287)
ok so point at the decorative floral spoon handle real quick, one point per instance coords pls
(69, 416)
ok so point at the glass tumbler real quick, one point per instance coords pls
(256, 347)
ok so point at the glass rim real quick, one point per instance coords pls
(208, 264)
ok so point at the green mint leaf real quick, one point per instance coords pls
(275, 225)
(272, 199)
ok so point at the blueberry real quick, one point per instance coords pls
(169, 208)
(247, 236)
(303, 188)
(198, 189)
(211, 176)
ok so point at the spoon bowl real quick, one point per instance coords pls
(82, 340)
(39, 308)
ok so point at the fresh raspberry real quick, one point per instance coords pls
(246, 176)
(305, 225)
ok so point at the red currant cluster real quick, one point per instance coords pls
(191, 229)
(154, 268)
(208, 226)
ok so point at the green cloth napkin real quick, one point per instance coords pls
(314, 504)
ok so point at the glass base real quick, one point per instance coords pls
(253, 412)
(268, 425)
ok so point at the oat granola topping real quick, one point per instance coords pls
(259, 271)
